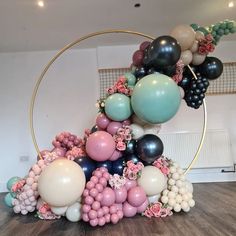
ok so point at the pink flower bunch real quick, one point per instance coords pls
(50, 156)
(18, 186)
(121, 86)
(116, 181)
(122, 136)
(206, 45)
(179, 71)
(157, 210)
(45, 213)
(75, 152)
(163, 165)
(133, 171)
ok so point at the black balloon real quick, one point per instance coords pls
(118, 166)
(94, 129)
(211, 68)
(164, 51)
(130, 146)
(87, 165)
(140, 72)
(134, 158)
(149, 148)
(185, 82)
(107, 164)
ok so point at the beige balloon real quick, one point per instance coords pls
(152, 180)
(137, 131)
(194, 48)
(186, 57)
(152, 129)
(61, 183)
(185, 35)
(198, 59)
(199, 36)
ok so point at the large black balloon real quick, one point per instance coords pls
(134, 158)
(211, 68)
(118, 166)
(130, 147)
(149, 148)
(107, 164)
(87, 165)
(164, 51)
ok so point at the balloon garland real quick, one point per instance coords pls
(118, 169)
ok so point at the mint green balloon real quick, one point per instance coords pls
(12, 181)
(131, 79)
(156, 98)
(118, 107)
(8, 200)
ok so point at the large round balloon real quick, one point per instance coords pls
(163, 51)
(212, 68)
(100, 146)
(117, 107)
(106, 164)
(118, 166)
(152, 180)
(156, 98)
(87, 165)
(149, 148)
(61, 183)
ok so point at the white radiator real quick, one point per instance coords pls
(216, 151)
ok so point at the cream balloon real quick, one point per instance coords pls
(152, 180)
(182, 93)
(199, 36)
(198, 59)
(61, 183)
(73, 212)
(154, 198)
(151, 129)
(189, 186)
(194, 48)
(137, 131)
(185, 35)
(60, 211)
(186, 57)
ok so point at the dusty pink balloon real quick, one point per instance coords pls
(108, 197)
(126, 122)
(113, 127)
(143, 207)
(85, 217)
(136, 196)
(130, 184)
(114, 218)
(102, 121)
(121, 194)
(101, 221)
(116, 155)
(92, 214)
(61, 152)
(94, 222)
(128, 210)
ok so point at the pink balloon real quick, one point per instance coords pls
(100, 212)
(86, 208)
(143, 207)
(113, 127)
(89, 200)
(85, 217)
(100, 146)
(136, 196)
(128, 210)
(92, 214)
(114, 218)
(138, 58)
(61, 152)
(108, 218)
(93, 192)
(130, 184)
(101, 221)
(119, 206)
(116, 155)
(126, 122)
(144, 45)
(120, 214)
(113, 209)
(121, 194)
(99, 197)
(94, 222)
(102, 121)
(108, 197)
(96, 205)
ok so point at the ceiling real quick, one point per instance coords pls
(26, 27)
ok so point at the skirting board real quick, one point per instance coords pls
(195, 176)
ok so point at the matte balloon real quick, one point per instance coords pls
(73, 212)
(61, 152)
(137, 131)
(118, 166)
(129, 210)
(108, 197)
(212, 68)
(130, 147)
(198, 59)
(149, 148)
(152, 180)
(136, 196)
(113, 127)
(102, 121)
(130, 184)
(154, 198)
(138, 58)
(185, 35)
(12, 181)
(186, 57)
(118, 107)
(59, 210)
(106, 164)
(100, 146)
(194, 48)
(121, 194)
(131, 79)
(87, 165)
(8, 200)
(143, 207)
(199, 36)
(163, 51)
(61, 183)
(116, 154)
(156, 98)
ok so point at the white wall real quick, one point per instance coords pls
(67, 96)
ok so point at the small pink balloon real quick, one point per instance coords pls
(103, 169)
(108, 218)
(100, 212)
(114, 218)
(121, 194)
(99, 187)
(86, 208)
(119, 206)
(30, 193)
(113, 209)
(108, 197)
(30, 181)
(94, 179)
(113, 127)
(144, 45)
(89, 200)
(31, 174)
(102, 121)
(93, 192)
(99, 197)
(92, 214)
(116, 155)
(94, 222)
(126, 122)
(61, 152)
(106, 175)
(101, 221)
(143, 207)
(96, 205)
(130, 184)
(85, 193)
(97, 173)
(90, 185)
(120, 214)
(27, 202)
(100, 146)
(85, 217)
(136, 196)
(128, 210)
(105, 209)
(103, 181)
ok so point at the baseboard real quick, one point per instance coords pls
(3, 187)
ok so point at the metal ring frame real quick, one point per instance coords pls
(36, 88)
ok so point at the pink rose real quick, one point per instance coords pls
(121, 146)
(110, 90)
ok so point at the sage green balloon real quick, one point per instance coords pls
(131, 79)
(12, 181)
(8, 200)
(156, 98)
(118, 107)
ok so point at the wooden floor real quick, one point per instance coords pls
(214, 214)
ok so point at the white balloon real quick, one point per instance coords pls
(152, 180)
(59, 210)
(177, 207)
(164, 199)
(61, 183)
(153, 198)
(151, 129)
(189, 186)
(73, 212)
(137, 131)
(182, 93)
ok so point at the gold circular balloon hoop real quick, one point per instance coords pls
(76, 42)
